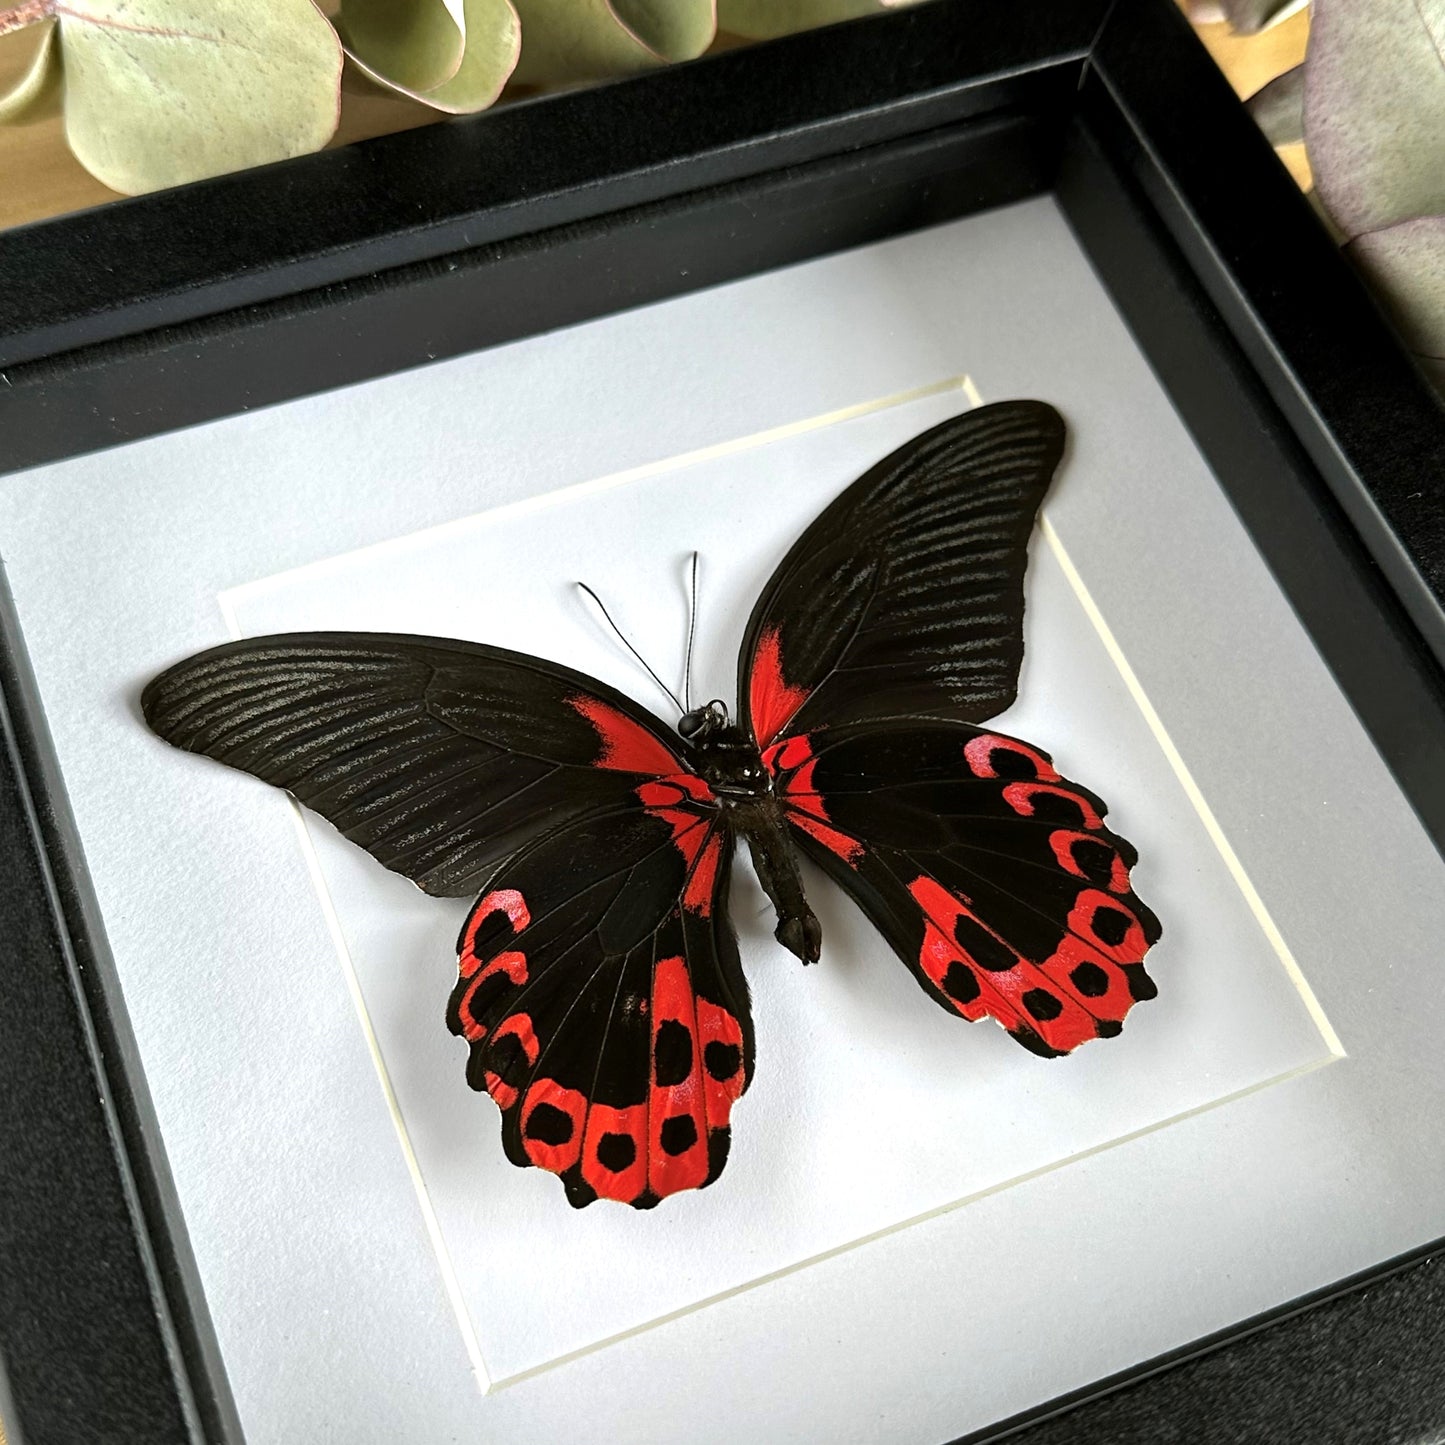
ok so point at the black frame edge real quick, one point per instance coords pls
(220, 244)
(95, 1235)
(1372, 424)
(1206, 234)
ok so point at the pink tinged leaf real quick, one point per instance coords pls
(1374, 114)
(1279, 108)
(1405, 266)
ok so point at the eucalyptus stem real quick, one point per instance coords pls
(28, 12)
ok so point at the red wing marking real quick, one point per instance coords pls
(849, 849)
(722, 1061)
(771, 701)
(552, 1120)
(676, 800)
(791, 763)
(627, 746)
(1109, 925)
(614, 1151)
(697, 896)
(473, 951)
(483, 957)
(788, 755)
(1021, 798)
(1067, 844)
(521, 1026)
(1021, 996)
(514, 966)
(676, 1112)
(980, 752)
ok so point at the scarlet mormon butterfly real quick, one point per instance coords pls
(600, 989)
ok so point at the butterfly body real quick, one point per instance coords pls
(730, 762)
(599, 988)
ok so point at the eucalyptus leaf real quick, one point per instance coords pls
(161, 92)
(571, 40)
(35, 81)
(764, 19)
(402, 43)
(1279, 107)
(1375, 110)
(412, 44)
(1405, 266)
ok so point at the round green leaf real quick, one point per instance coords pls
(33, 84)
(764, 19)
(489, 41)
(568, 40)
(1374, 112)
(161, 92)
(411, 44)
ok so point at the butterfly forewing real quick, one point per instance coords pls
(905, 597)
(438, 757)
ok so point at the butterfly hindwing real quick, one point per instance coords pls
(600, 990)
(905, 596)
(993, 878)
(438, 757)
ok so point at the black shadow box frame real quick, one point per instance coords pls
(251, 289)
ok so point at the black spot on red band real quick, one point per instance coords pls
(722, 1061)
(548, 1125)
(679, 1134)
(671, 1053)
(960, 984)
(1042, 1005)
(617, 1152)
(1090, 980)
(1111, 925)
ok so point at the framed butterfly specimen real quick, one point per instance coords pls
(599, 988)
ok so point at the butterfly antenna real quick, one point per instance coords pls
(691, 633)
(603, 610)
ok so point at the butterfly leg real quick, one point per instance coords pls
(777, 869)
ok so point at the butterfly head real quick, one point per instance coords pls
(701, 723)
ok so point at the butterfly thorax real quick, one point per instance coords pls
(729, 761)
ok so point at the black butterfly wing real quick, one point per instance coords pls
(993, 878)
(438, 757)
(905, 597)
(600, 988)
(602, 996)
(893, 625)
